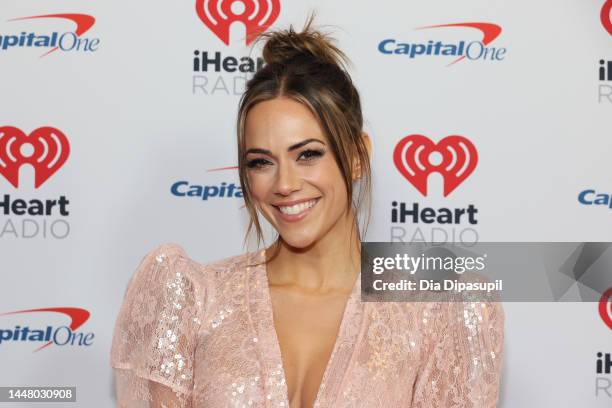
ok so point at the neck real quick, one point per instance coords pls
(330, 264)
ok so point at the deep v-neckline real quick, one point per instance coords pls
(277, 365)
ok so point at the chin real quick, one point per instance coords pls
(298, 240)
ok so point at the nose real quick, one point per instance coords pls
(287, 179)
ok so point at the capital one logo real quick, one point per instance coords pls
(49, 335)
(256, 15)
(66, 41)
(454, 158)
(605, 307)
(606, 18)
(46, 149)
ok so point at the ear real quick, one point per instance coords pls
(356, 164)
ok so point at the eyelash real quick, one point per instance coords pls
(308, 155)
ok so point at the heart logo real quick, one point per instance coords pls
(606, 19)
(256, 15)
(414, 158)
(46, 149)
(605, 307)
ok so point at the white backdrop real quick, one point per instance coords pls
(139, 119)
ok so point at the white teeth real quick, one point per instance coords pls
(298, 208)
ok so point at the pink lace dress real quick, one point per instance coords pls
(193, 335)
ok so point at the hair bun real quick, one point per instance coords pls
(283, 46)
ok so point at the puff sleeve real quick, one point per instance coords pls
(462, 368)
(154, 338)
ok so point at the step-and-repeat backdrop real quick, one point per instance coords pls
(117, 134)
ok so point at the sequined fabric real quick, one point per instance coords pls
(193, 335)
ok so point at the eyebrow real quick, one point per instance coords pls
(289, 149)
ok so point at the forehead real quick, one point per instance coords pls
(280, 121)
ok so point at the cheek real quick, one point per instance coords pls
(260, 185)
(327, 177)
(326, 170)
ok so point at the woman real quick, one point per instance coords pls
(285, 326)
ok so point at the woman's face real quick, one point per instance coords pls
(293, 176)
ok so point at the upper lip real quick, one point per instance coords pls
(294, 202)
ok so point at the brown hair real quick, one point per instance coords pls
(308, 68)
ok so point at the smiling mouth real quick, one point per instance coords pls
(297, 211)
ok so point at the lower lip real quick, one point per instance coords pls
(296, 217)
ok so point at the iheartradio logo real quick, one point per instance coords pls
(256, 15)
(46, 149)
(454, 157)
(606, 18)
(605, 307)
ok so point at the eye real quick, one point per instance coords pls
(257, 163)
(310, 154)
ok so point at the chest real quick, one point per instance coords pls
(256, 349)
(307, 328)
